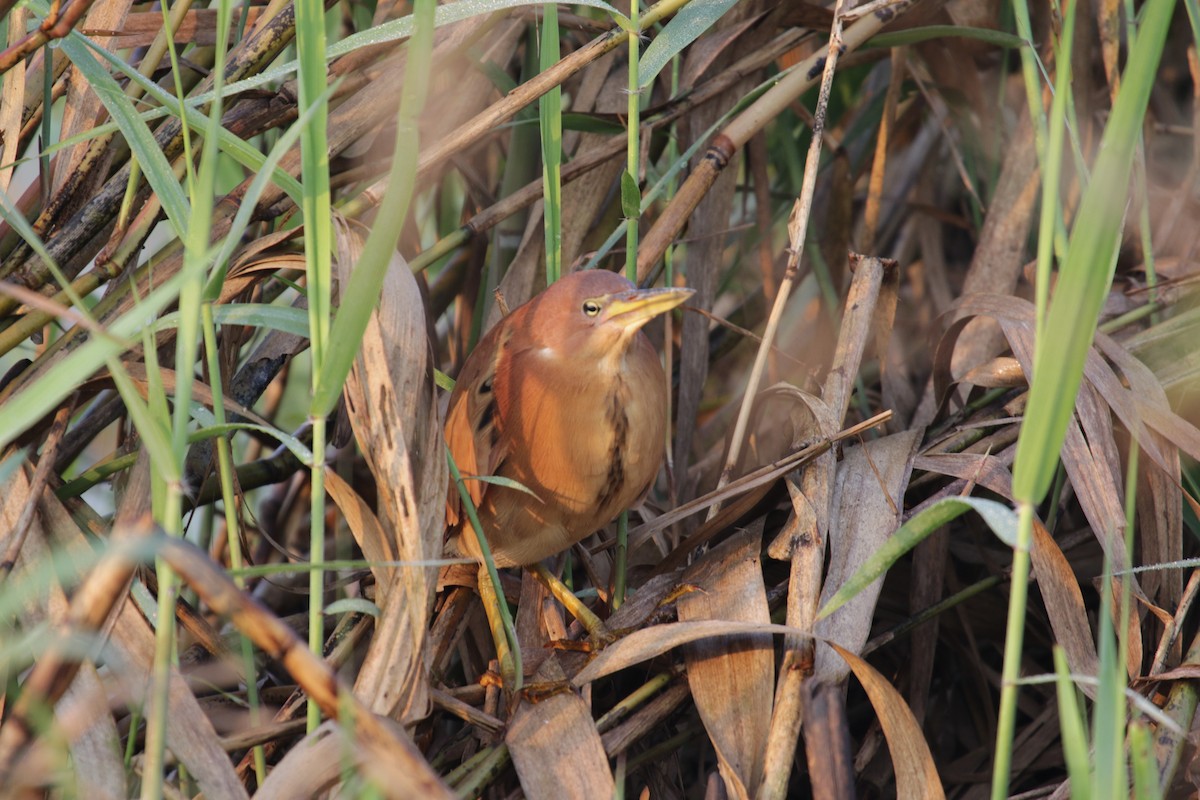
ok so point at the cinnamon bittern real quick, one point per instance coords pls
(565, 396)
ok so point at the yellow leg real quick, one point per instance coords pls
(597, 632)
(491, 606)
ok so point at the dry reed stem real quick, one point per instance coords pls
(96, 597)
(879, 162)
(797, 228)
(807, 540)
(37, 485)
(525, 94)
(761, 477)
(398, 757)
(56, 26)
(800, 79)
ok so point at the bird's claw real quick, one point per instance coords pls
(537, 692)
(599, 637)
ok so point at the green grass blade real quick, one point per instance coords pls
(318, 259)
(1074, 731)
(1051, 216)
(1144, 763)
(314, 155)
(1108, 725)
(362, 291)
(287, 319)
(1088, 270)
(510, 631)
(550, 120)
(999, 517)
(692, 21)
(141, 141)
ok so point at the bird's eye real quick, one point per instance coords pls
(591, 308)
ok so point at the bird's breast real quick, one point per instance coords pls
(595, 435)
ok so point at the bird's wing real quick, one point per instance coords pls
(473, 430)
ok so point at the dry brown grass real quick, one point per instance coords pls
(893, 379)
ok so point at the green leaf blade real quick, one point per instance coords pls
(1000, 518)
(684, 28)
(1088, 270)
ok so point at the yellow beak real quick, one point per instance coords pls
(633, 309)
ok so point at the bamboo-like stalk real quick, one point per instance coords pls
(735, 135)
(318, 227)
(78, 233)
(226, 473)
(631, 208)
(504, 110)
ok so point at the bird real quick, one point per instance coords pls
(566, 397)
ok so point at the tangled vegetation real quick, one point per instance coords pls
(926, 522)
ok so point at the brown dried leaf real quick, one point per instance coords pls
(1004, 371)
(82, 711)
(367, 530)
(556, 748)
(1161, 519)
(12, 101)
(311, 766)
(320, 760)
(654, 641)
(82, 105)
(1184, 672)
(1089, 455)
(392, 404)
(916, 775)
(534, 632)
(868, 500)
(1091, 472)
(702, 53)
(990, 472)
(732, 681)
(1064, 604)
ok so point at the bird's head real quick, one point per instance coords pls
(596, 314)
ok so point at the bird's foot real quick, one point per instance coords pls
(544, 690)
(599, 637)
(491, 678)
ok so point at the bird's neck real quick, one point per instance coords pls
(590, 365)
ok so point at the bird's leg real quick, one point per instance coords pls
(491, 606)
(597, 632)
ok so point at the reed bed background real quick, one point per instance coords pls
(928, 520)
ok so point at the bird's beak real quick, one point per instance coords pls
(633, 309)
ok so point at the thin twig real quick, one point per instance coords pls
(37, 485)
(797, 229)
